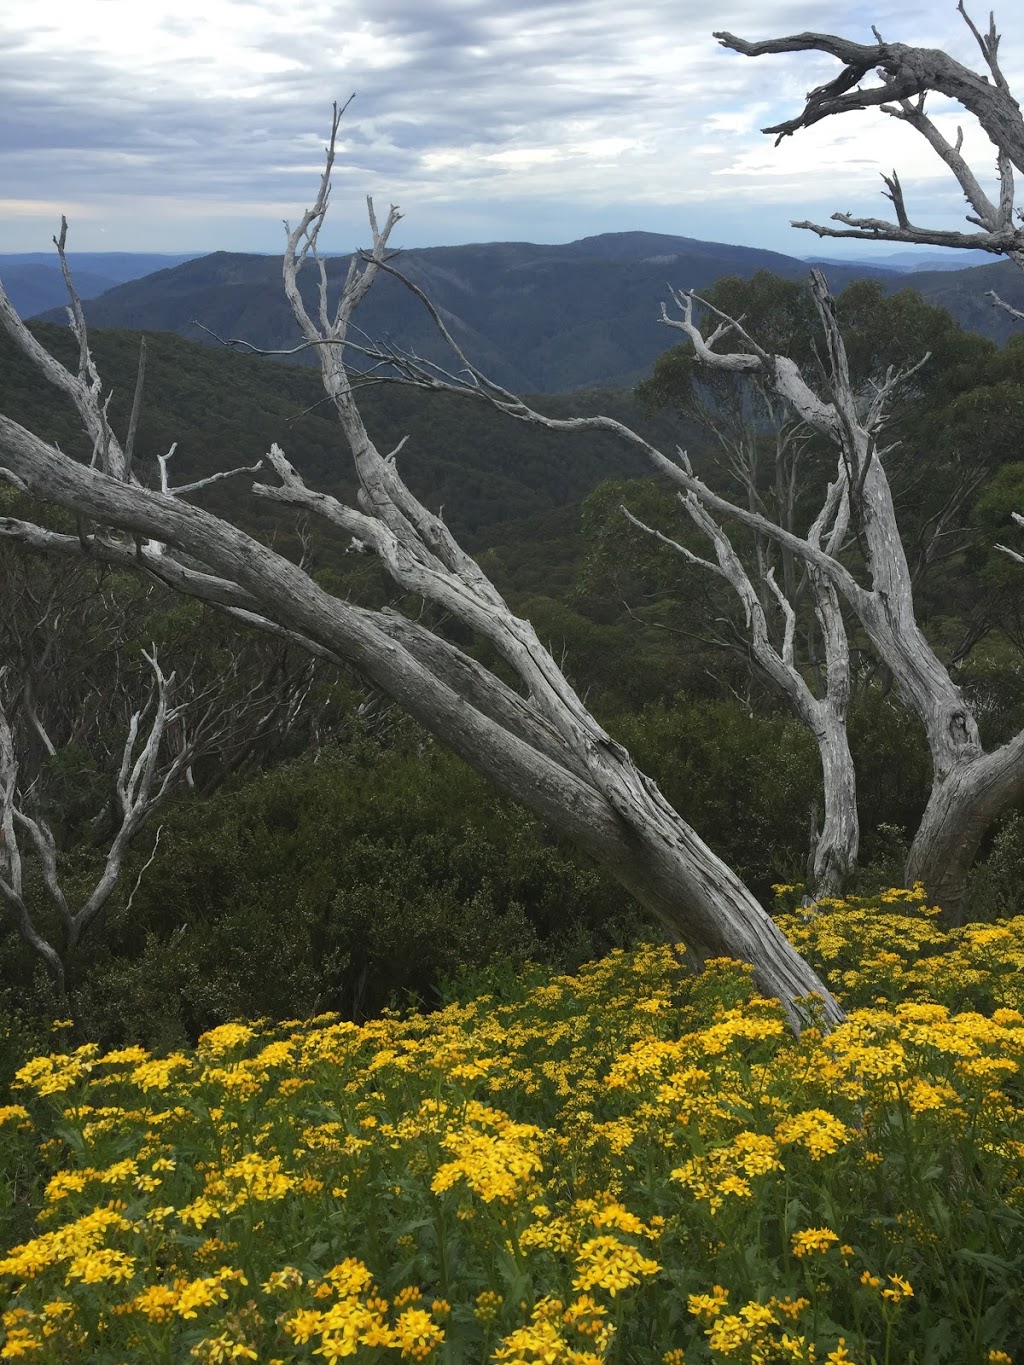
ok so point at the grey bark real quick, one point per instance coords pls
(906, 77)
(836, 843)
(143, 783)
(615, 813)
(970, 788)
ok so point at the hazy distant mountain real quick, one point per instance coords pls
(535, 318)
(34, 283)
(906, 261)
(35, 288)
(965, 294)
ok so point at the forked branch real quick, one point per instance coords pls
(146, 776)
(906, 75)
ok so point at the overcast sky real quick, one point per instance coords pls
(198, 125)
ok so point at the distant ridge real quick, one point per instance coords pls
(535, 317)
(902, 262)
(34, 282)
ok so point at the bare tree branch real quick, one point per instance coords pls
(997, 302)
(133, 421)
(544, 747)
(907, 75)
(1005, 548)
(144, 781)
(904, 72)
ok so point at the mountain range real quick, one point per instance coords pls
(34, 282)
(536, 318)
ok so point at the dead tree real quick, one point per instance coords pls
(793, 630)
(906, 76)
(146, 776)
(966, 788)
(539, 743)
(835, 846)
(91, 745)
(970, 788)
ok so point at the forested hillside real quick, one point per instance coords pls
(537, 319)
(350, 809)
(224, 410)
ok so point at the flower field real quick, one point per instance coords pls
(628, 1165)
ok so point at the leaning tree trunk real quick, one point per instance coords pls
(581, 782)
(539, 744)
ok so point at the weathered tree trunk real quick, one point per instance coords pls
(162, 740)
(838, 846)
(905, 76)
(964, 803)
(588, 789)
(970, 788)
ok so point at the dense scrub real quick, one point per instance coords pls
(360, 877)
(369, 872)
(626, 1164)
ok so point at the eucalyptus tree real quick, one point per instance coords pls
(823, 711)
(906, 77)
(764, 449)
(970, 788)
(157, 751)
(792, 625)
(94, 741)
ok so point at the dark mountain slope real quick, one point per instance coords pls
(537, 318)
(964, 293)
(224, 410)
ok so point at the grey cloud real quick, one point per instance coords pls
(466, 75)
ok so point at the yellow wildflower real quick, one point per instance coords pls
(840, 1356)
(417, 1334)
(606, 1263)
(95, 1267)
(813, 1240)
(20, 1341)
(899, 1289)
(224, 1038)
(487, 1305)
(816, 1129)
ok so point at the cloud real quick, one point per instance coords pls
(166, 121)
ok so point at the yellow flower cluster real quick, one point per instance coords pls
(359, 1318)
(626, 1164)
(495, 1164)
(607, 1263)
(813, 1240)
(556, 1335)
(890, 948)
